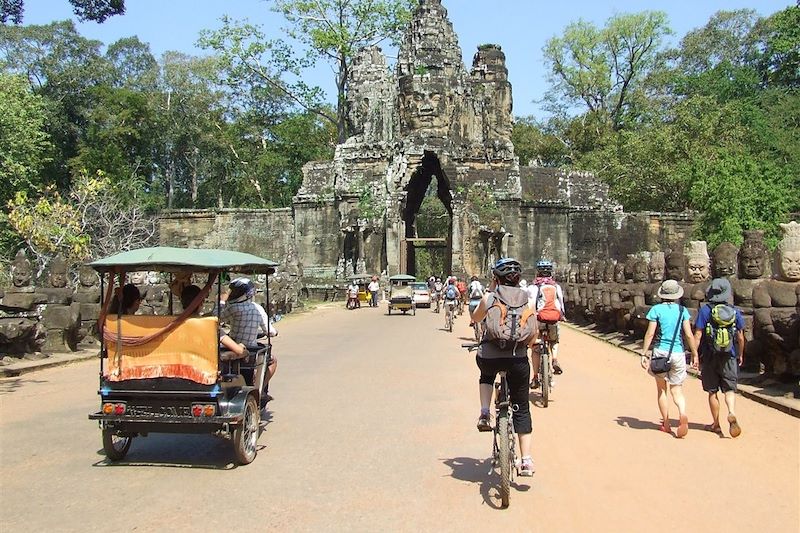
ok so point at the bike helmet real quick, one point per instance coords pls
(241, 287)
(508, 271)
(543, 266)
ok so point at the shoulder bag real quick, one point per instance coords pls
(661, 365)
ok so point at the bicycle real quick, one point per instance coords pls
(448, 317)
(436, 302)
(545, 367)
(504, 445)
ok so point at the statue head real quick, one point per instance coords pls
(608, 271)
(656, 268)
(724, 259)
(629, 263)
(583, 273)
(640, 271)
(21, 270)
(138, 278)
(572, 273)
(619, 272)
(58, 272)
(789, 252)
(423, 105)
(697, 262)
(676, 265)
(87, 277)
(753, 255)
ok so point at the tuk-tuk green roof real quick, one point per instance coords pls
(169, 259)
(402, 277)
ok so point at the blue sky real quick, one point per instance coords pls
(521, 27)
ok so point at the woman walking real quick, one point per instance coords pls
(667, 362)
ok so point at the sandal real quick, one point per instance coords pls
(713, 428)
(736, 430)
(665, 428)
(557, 369)
(683, 427)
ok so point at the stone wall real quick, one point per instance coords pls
(267, 233)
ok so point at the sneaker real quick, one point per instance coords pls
(535, 383)
(557, 368)
(526, 468)
(483, 423)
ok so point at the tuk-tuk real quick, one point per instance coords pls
(363, 295)
(168, 374)
(401, 294)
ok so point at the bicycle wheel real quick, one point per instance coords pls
(545, 370)
(450, 321)
(477, 329)
(504, 436)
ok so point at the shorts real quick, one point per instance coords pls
(719, 372)
(518, 374)
(473, 304)
(677, 370)
(552, 330)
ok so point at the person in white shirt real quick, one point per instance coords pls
(373, 289)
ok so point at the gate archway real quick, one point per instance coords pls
(427, 244)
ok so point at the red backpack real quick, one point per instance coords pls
(546, 305)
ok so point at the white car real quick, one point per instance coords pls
(422, 296)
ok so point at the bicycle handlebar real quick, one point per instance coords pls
(471, 345)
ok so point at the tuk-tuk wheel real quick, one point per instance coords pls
(116, 446)
(246, 434)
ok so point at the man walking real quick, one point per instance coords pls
(373, 289)
(719, 334)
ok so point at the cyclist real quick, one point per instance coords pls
(451, 296)
(475, 292)
(547, 298)
(462, 293)
(511, 357)
(437, 293)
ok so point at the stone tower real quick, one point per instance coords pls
(432, 123)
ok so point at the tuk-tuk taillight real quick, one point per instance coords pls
(114, 408)
(204, 409)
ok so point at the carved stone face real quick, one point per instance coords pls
(725, 260)
(752, 263)
(789, 264)
(640, 272)
(583, 273)
(137, 278)
(619, 273)
(675, 267)
(58, 278)
(87, 276)
(656, 272)
(21, 273)
(423, 104)
(697, 270)
(608, 273)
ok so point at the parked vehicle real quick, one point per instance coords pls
(422, 294)
(167, 374)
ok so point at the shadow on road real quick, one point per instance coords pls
(635, 423)
(9, 385)
(480, 471)
(183, 451)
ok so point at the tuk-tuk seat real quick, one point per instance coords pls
(189, 351)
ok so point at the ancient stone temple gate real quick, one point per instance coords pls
(430, 121)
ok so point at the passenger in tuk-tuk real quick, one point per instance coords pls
(246, 319)
(131, 299)
(188, 294)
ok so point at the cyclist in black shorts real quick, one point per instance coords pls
(513, 359)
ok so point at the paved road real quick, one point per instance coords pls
(372, 429)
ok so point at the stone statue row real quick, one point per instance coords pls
(615, 295)
(57, 317)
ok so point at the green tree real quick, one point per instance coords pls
(96, 10)
(538, 144)
(333, 30)
(733, 191)
(24, 147)
(599, 70)
(780, 61)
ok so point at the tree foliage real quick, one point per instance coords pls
(96, 10)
